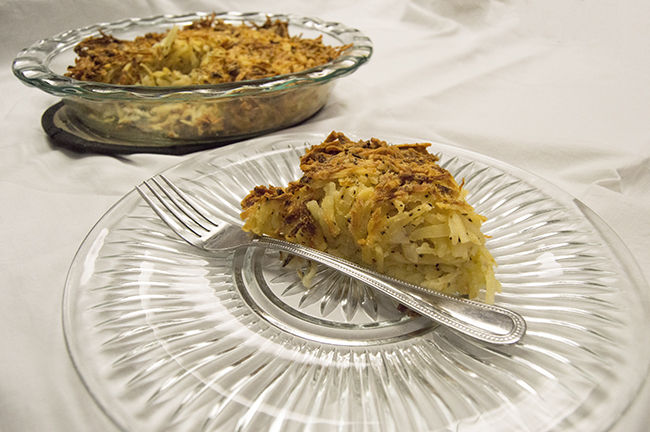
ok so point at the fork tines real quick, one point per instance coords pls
(177, 209)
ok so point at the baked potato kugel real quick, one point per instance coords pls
(390, 207)
(208, 51)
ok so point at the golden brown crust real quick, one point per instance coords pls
(226, 53)
(402, 169)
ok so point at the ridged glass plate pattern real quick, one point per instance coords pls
(168, 337)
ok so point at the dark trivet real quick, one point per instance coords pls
(70, 134)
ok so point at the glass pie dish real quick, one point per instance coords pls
(176, 115)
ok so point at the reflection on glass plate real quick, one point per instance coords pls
(167, 337)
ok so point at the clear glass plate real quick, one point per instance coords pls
(167, 337)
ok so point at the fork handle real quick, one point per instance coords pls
(487, 323)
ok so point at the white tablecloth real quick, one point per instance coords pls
(561, 89)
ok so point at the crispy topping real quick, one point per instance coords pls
(208, 51)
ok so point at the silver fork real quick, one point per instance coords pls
(197, 226)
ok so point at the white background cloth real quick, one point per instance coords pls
(561, 89)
